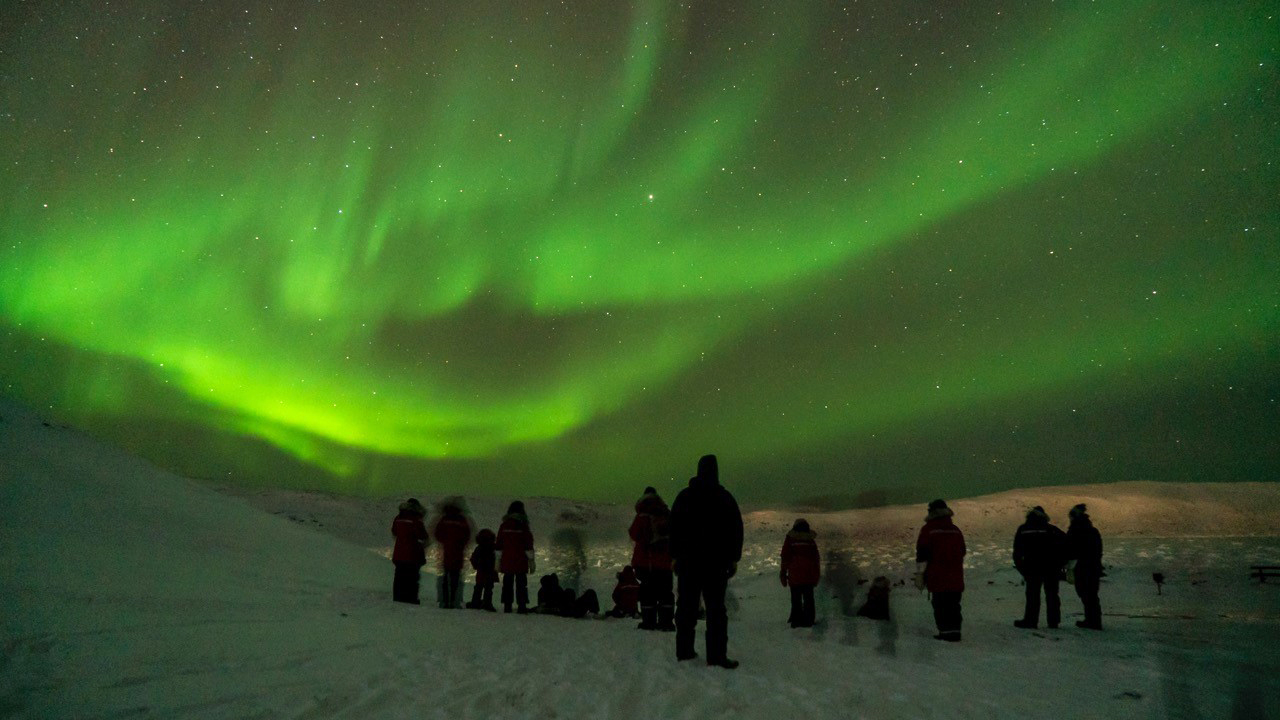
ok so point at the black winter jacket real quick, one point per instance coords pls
(706, 524)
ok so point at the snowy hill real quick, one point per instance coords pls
(129, 592)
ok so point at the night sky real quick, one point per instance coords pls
(865, 252)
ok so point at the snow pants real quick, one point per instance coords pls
(450, 589)
(1052, 603)
(946, 613)
(1087, 584)
(802, 613)
(709, 587)
(657, 602)
(481, 596)
(519, 583)
(404, 587)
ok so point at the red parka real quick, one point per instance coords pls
(801, 564)
(941, 546)
(626, 594)
(411, 539)
(453, 532)
(514, 542)
(650, 531)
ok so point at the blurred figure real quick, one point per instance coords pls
(706, 544)
(651, 533)
(940, 553)
(1084, 565)
(801, 569)
(410, 551)
(568, 552)
(626, 594)
(452, 532)
(484, 562)
(1038, 553)
(877, 605)
(515, 548)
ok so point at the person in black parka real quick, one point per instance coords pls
(1084, 568)
(706, 544)
(1039, 552)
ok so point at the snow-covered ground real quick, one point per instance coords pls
(128, 592)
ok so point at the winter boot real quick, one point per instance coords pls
(725, 663)
(666, 621)
(648, 618)
(1024, 624)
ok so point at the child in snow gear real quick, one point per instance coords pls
(515, 548)
(801, 569)
(877, 605)
(940, 553)
(410, 551)
(706, 544)
(1039, 553)
(651, 558)
(626, 595)
(484, 562)
(452, 533)
(1084, 565)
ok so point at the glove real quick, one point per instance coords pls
(918, 580)
(533, 564)
(782, 575)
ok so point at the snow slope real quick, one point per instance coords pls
(128, 592)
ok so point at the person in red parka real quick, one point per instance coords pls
(515, 548)
(940, 568)
(801, 569)
(452, 532)
(484, 562)
(651, 558)
(626, 594)
(410, 551)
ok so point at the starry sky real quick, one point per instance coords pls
(865, 252)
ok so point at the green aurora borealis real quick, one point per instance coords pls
(861, 251)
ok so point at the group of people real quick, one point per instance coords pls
(1042, 553)
(695, 545)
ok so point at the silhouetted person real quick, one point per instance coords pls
(940, 553)
(551, 596)
(410, 551)
(801, 569)
(877, 605)
(1039, 552)
(626, 594)
(484, 562)
(651, 533)
(452, 533)
(706, 544)
(1084, 565)
(515, 545)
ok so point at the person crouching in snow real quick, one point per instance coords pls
(484, 561)
(515, 548)
(801, 569)
(453, 532)
(940, 553)
(410, 551)
(626, 595)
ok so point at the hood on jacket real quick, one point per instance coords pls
(651, 502)
(628, 574)
(938, 509)
(1037, 516)
(486, 537)
(708, 473)
(414, 507)
(515, 508)
(1079, 514)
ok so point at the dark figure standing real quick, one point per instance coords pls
(452, 532)
(410, 551)
(801, 569)
(940, 553)
(651, 533)
(484, 562)
(515, 545)
(1084, 569)
(1039, 552)
(706, 544)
